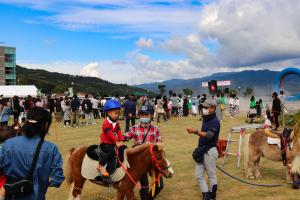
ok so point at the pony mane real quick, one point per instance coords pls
(296, 132)
(142, 147)
(160, 146)
(137, 149)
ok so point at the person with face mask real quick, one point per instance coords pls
(145, 132)
(208, 138)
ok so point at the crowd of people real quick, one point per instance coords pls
(36, 113)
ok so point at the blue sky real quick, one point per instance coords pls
(137, 41)
(40, 41)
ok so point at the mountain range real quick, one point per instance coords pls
(261, 81)
(53, 82)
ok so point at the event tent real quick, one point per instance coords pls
(18, 90)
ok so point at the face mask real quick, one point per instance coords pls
(145, 120)
(205, 111)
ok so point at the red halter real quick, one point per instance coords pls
(154, 161)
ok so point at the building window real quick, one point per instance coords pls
(9, 58)
(10, 82)
(9, 70)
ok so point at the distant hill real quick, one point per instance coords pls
(261, 81)
(58, 82)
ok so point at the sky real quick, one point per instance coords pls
(142, 41)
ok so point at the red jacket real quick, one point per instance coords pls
(110, 135)
(2, 180)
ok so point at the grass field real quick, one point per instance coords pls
(179, 146)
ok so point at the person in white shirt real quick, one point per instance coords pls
(95, 104)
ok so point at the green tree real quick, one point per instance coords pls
(187, 91)
(60, 88)
(162, 88)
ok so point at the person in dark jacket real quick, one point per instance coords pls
(87, 108)
(129, 112)
(58, 109)
(16, 108)
(208, 138)
(75, 104)
(276, 109)
(185, 107)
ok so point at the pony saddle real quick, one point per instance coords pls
(113, 167)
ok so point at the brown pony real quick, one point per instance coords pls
(141, 159)
(6, 132)
(256, 146)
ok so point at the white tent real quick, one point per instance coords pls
(18, 90)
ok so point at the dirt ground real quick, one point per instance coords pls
(179, 147)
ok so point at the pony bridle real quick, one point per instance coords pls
(156, 164)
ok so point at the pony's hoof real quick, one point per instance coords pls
(251, 177)
(258, 177)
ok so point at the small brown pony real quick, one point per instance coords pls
(141, 159)
(256, 146)
(6, 132)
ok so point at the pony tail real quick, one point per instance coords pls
(246, 153)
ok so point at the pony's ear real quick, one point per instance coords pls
(155, 148)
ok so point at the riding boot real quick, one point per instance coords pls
(214, 192)
(206, 195)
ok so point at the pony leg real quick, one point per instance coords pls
(119, 195)
(250, 172)
(288, 175)
(130, 195)
(71, 197)
(257, 172)
(78, 185)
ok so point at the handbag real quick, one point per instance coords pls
(198, 153)
(24, 186)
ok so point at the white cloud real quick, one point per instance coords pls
(249, 34)
(145, 43)
(191, 47)
(90, 70)
(146, 20)
(149, 17)
(252, 32)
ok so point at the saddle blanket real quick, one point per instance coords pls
(276, 141)
(89, 169)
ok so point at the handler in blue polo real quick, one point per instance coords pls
(206, 154)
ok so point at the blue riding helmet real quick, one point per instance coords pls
(111, 104)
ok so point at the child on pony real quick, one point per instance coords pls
(111, 135)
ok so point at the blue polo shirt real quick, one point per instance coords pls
(212, 124)
(16, 156)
